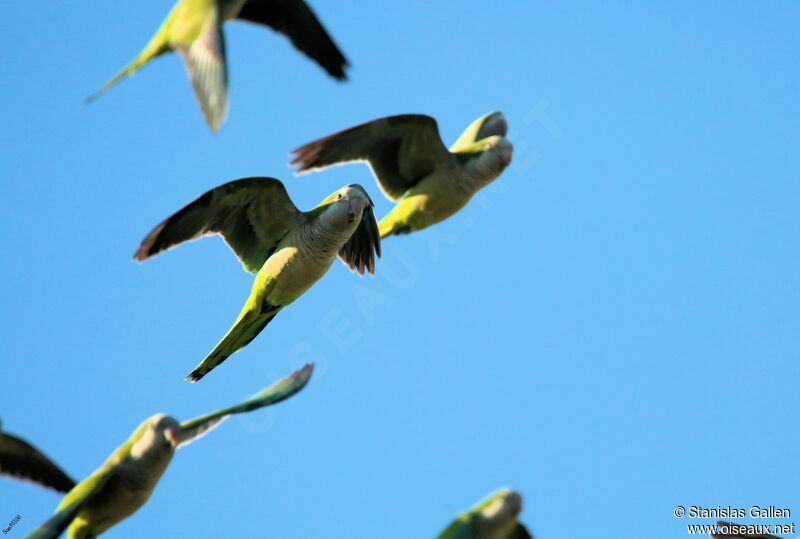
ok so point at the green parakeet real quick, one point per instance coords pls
(288, 250)
(413, 167)
(125, 481)
(495, 517)
(194, 30)
(22, 460)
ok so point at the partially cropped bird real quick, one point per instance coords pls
(22, 460)
(125, 481)
(289, 250)
(495, 517)
(194, 30)
(413, 167)
(731, 530)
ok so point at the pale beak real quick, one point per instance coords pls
(173, 435)
(356, 207)
(506, 154)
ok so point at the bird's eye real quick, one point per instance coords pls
(339, 196)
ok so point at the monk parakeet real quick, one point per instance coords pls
(413, 167)
(20, 459)
(493, 518)
(194, 29)
(731, 530)
(124, 482)
(288, 250)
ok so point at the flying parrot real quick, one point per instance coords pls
(495, 517)
(125, 481)
(22, 460)
(194, 30)
(289, 250)
(413, 167)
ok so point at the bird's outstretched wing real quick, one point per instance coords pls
(277, 392)
(83, 493)
(295, 20)
(20, 459)
(365, 242)
(208, 71)
(252, 215)
(400, 149)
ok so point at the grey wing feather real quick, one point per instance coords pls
(252, 215)
(205, 61)
(295, 20)
(20, 459)
(400, 149)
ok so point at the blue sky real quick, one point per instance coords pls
(611, 329)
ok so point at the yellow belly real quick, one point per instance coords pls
(431, 201)
(288, 274)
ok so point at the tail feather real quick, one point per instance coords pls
(244, 330)
(391, 227)
(154, 49)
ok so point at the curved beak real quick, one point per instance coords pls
(506, 154)
(173, 435)
(356, 207)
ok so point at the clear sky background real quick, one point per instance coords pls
(612, 329)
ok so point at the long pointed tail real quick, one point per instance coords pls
(154, 49)
(385, 228)
(249, 324)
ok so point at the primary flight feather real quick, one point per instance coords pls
(125, 481)
(193, 29)
(288, 250)
(413, 167)
(22, 460)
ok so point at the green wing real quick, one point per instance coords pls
(252, 215)
(295, 20)
(71, 505)
(20, 459)
(277, 392)
(458, 529)
(487, 125)
(400, 149)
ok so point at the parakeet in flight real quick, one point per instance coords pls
(125, 481)
(194, 30)
(495, 517)
(288, 250)
(21, 460)
(413, 167)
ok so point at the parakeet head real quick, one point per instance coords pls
(487, 125)
(496, 516)
(157, 436)
(345, 206)
(503, 505)
(486, 158)
(350, 211)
